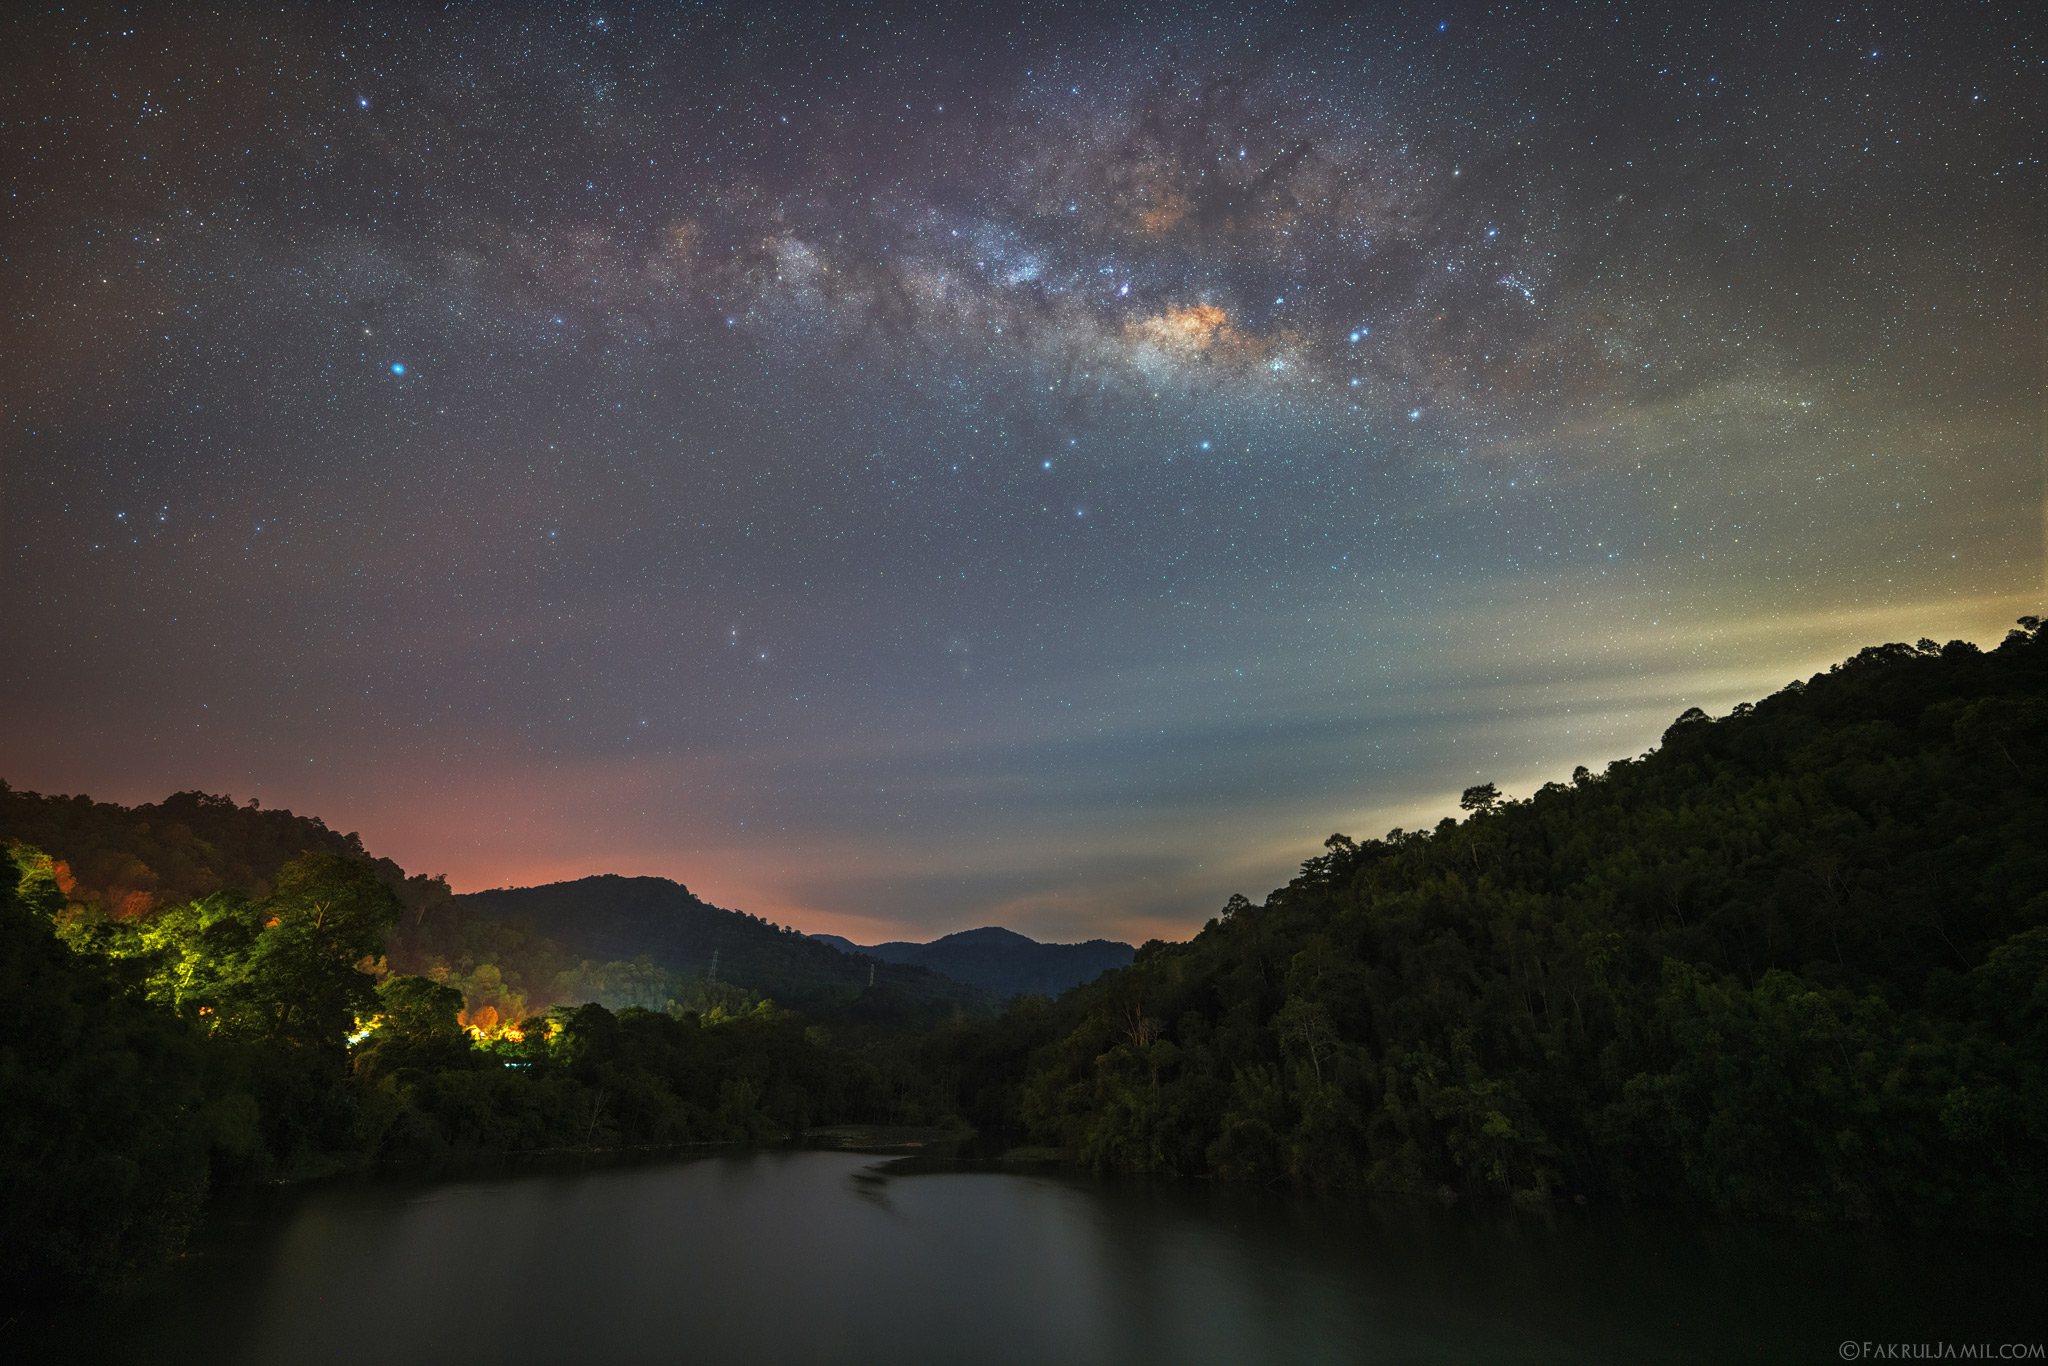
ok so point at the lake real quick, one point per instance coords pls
(794, 1255)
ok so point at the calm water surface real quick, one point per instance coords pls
(807, 1256)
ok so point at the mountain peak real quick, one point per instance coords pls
(988, 934)
(1000, 960)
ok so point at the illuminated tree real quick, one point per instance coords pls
(302, 984)
(102, 1124)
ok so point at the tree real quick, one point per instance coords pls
(1305, 1027)
(416, 1027)
(302, 984)
(201, 952)
(103, 1138)
(1793, 961)
(420, 1009)
(1482, 798)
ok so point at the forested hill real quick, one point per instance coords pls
(1795, 961)
(617, 941)
(1001, 961)
(626, 917)
(128, 861)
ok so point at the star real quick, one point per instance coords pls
(1644, 325)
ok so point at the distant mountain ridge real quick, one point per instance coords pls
(999, 960)
(611, 916)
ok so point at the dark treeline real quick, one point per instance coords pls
(659, 923)
(511, 953)
(146, 1057)
(1793, 962)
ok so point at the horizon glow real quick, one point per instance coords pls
(917, 472)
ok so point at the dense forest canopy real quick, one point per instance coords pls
(512, 953)
(663, 923)
(128, 861)
(198, 990)
(1794, 961)
(143, 1058)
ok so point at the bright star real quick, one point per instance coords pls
(398, 367)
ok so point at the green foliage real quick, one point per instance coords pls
(301, 983)
(507, 971)
(639, 982)
(631, 919)
(103, 1136)
(618, 941)
(126, 861)
(419, 1010)
(284, 970)
(416, 1027)
(1794, 962)
(247, 1037)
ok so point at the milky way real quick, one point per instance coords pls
(899, 472)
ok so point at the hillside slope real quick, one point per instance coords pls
(132, 864)
(128, 861)
(616, 917)
(1795, 961)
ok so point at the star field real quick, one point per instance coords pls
(905, 470)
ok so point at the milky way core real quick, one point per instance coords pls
(903, 470)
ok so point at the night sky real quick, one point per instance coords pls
(903, 471)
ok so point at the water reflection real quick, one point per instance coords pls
(795, 1256)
